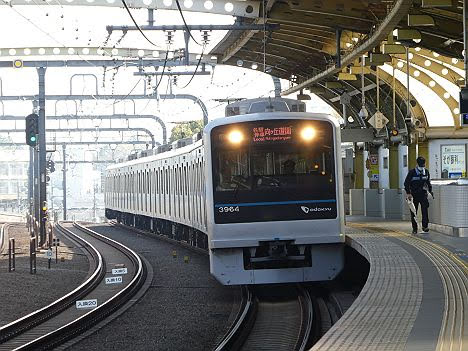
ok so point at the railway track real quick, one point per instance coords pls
(265, 322)
(62, 320)
(283, 321)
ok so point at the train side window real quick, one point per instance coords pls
(176, 181)
(179, 182)
(168, 180)
(185, 180)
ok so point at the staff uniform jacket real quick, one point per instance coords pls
(417, 183)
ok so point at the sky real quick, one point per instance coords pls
(72, 26)
(62, 27)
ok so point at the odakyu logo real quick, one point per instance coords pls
(306, 209)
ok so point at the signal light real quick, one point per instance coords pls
(32, 129)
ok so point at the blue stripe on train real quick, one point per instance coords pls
(276, 203)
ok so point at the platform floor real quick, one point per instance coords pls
(415, 298)
(458, 246)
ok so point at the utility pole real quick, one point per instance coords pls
(42, 156)
(37, 201)
(64, 181)
(31, 181)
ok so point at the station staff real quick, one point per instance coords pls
(417, 185)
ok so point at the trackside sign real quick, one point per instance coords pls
(86, 304)
(114, 280)
(119, 271)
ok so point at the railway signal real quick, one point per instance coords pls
(51, 166)
(44, 209)
(32, 129)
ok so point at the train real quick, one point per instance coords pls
(260, 189)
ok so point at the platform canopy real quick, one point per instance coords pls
(317, 45)
(305, 48)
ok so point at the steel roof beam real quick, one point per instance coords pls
(399, 10)
(95, 63)
(242, 8)
(110, 117)
(111, 97)
(67, 143)
(199, 27)
(70, 130)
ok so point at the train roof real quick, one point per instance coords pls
(159, 156)
(225, 121)
(269, 115)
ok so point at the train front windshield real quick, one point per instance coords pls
(273, 171)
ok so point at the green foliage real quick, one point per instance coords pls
(185, 130)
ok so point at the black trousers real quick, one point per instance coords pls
(424, 206)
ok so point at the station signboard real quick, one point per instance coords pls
(453, 161)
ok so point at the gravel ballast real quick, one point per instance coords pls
(184, 309)
(22, 292)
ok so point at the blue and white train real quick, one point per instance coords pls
(262, 191)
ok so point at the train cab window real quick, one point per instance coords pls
(259, 165)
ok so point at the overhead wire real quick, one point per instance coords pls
(185, 23)
(136, 24)
(163, 70)
(196, 68)
(264, 36)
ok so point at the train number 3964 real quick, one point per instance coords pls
(227, 209)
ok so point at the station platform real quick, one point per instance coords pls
(415, 297)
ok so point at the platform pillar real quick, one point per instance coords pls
(412, 155)
(394, 166)
(384, 181)
(366, 179)
(423, 150)
(403, 164)
(358, 169)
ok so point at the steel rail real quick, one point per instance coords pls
(72, 326)
(238, 331)
(308, 318)
(84, 322)
(41, 315)
(248, 332)
(245, 319)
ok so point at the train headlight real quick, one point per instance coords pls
(235, 137)
(308, 133)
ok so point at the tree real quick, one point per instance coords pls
(185, 130)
